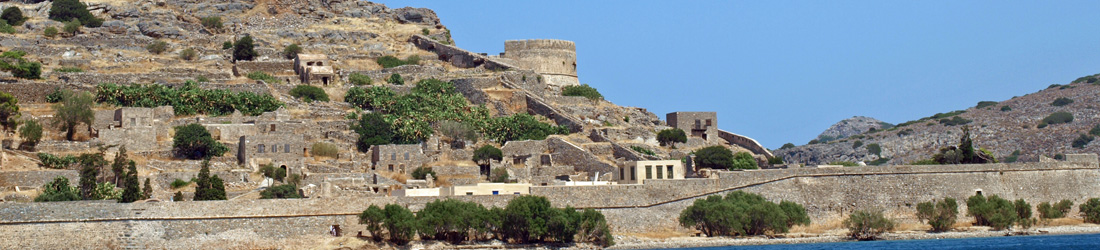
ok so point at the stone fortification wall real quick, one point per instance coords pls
(556, 59)
(458, 57)
(35, 179)
(410, 73)
(827, 193)
(745, 142)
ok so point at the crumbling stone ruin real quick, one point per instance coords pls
(313, 69)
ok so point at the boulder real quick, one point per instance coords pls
(416, 15)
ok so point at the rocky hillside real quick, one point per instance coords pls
(1013, 130)
(852, 126)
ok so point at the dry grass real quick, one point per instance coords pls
(912, 227)
(663, 233)
(1061, 222)
(819, 227)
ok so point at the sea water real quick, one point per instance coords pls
(1044, 242)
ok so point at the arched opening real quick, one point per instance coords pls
(285, 170)
(324, 81)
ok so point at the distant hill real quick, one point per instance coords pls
(1014, 130)
(852, 126)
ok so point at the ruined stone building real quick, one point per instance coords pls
(697, 124)
(286, 151)
(136, 128)
(313, 69)
(400, 158)
(636, 172)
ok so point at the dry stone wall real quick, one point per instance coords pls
(827, 193)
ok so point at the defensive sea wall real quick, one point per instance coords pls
(827, 193)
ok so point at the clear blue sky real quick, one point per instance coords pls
(783, 71)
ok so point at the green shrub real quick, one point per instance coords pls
(74, 109)
(669, 136)
(212, 22)
(208, 187)
(9, 112)
(227, 45)
(1058, 210)
(243, 49)
(5, 28)
(519, 127)
(874, 149)
(717, 157)
(642, 150)
(71, 27)
(395, 79)
(486, 153)
(1057, 118)
(451, 220)
(993, 211)
(58, 190)
(285, 191)
(1061, 101)
(13, 61)
(391, 61)
(55, 162)
(983, 104)
(1054, 86)
(954, 121)
(291, 51)
(13, 16)
(68, 70)
(940, 215)
(50, 32)
(309, 93)
(879, 161)
(1023, 213)
(787, 145)
(1006, 108)
(456, 132)
(744, 160)
(68, 10)
(856, 144)
(1095, 130)
(193, 141)
(261, 76)
(742, 214)
(775, 160)
(31, 132)
(400, 223)
(582, 90)
(420, 173)
(178, 196)
(270, 171)
(499, 175)
(324, 149)
(177, 183)
(374, 130)
(187, 100)
(157, 47)
(1090, 211)
(864, 225)
(188, 54)
(359, 79)
(1082, 141)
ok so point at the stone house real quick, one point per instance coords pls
(285, 151)
(313, 69)
(697, 124)
(400, 158)
(636, 172)
(135, 128)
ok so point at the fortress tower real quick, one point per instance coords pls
(556, 60)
